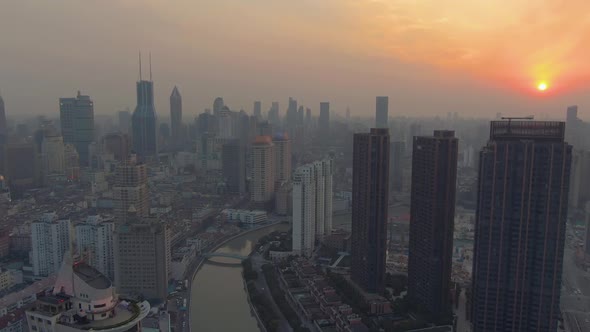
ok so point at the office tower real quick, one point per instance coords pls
(143, 121)
(520, 227)
(257, 112)
(382, 112)
(234, 166)
(53, 156)
(218, 105)
(71, 162)
(304, 215)
(273, 113)
(142, 259)
(50, 238)
(226, 124)
(209, 150)
(370, 196)
(308, 118)
(396, 165)
(77, 123)
(207, 123)
(3, 126)
(130, 191)
(21, 167)
(587, 236)
(291, 117)
(263, 169)
(432, 214)
(117, 145)
(164, 136)
(324, 121)
(94, 243)
(348, 114)
(125, 121)
(282, 157)
(176, 118)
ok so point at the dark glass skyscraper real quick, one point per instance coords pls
(520, 227)
(77, 123)
(434, 178)
(370, 195)
(176, 118)
(143, 121)
(233, 162)
(382, 112)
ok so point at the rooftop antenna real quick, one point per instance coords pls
(140, 65)
(150, 65)
(510, 118)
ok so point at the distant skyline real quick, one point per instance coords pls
(429, 57)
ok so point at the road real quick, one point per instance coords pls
(262, 287)
(575, 295)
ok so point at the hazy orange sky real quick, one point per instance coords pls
(476, 57)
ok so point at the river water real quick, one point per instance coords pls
(218, 299)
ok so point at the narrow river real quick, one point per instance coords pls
(218, 299)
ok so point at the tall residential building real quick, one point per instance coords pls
(382, 112)
(262, 184)
(432, 214)
(125, 121)
(142, 259)
(520, 227)
(324, 120)
(176, 118)
(77, 123)
(304, 215)
(370, 196)
(130, 190)
(94, 243)
(257, 111)
(233, 163)
(53, 156)
(50, 239)
(328, 171)
(282, 157)
(323, 197)
(143, 121)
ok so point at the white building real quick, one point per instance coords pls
(312, 205)
(245, 216)
(50, 239)
(9, 278)
(226, 125)
(304, 203)
(83, 299)
(94, 242)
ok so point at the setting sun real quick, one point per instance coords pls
(542, 86)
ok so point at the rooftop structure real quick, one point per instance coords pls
(83, 299)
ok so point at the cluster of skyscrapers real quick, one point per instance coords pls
(523, 187)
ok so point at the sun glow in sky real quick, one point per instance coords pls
(542, 86)
(460, 53)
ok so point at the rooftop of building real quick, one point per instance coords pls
(91, 276)
(33, 289)
(526, 129)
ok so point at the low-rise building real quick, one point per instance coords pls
(84, 299)
(245, 216)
